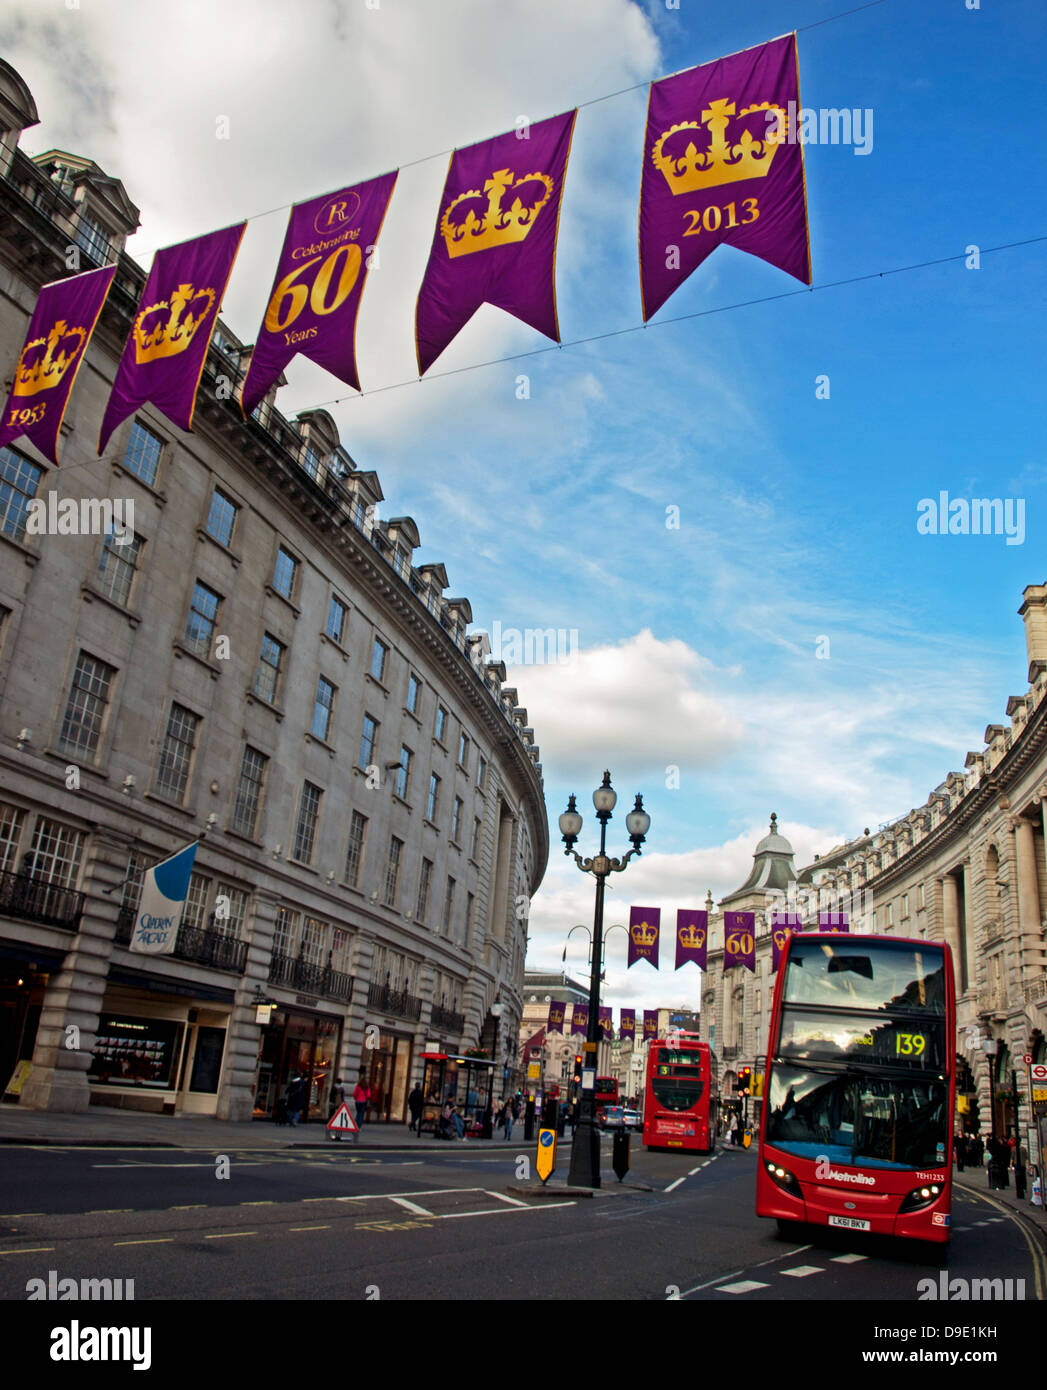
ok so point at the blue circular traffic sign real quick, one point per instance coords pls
(545, 1138)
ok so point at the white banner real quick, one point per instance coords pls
(164, 890)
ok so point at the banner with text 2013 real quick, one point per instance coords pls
(722, 162)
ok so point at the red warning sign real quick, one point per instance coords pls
(341, 1122)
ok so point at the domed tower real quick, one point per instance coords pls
(773, 870)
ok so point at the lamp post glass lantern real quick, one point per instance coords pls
(585, 1146)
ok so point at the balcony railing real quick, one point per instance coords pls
(394, 1001)
(197, 944)
(36, 899)
(729, 1053)
(306, 977)
(447, 1021)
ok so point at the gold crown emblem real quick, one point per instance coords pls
(692, 937)
(45, 361)
(497, 226)
(725, 161)
(156, 336)
(644, 934)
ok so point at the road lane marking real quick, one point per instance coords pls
(499, 1211)
(1038, 1259)
(410, 1206)
(156, 1240)
(36, 1250)
(503, 1197)
(746, 1286)
(802, 1271)
(256, 1204)
(847, 1259)
(108, 1211)
(309, 1228)
(193, 1206)
(675, 1184)
(232, 1235)
(696, 1170)
(14, 1215)
(786, 1255)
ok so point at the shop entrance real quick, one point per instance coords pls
(296, 1043)
(21, 999)
(387, 1068)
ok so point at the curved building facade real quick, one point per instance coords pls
(249, 659)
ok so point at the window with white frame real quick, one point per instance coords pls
(86, 709)
(424, 881)
(392, 871)
(56, 850)
(249, 791)
(12, 818)
(117, 567)
(176, 755)
(354, 856)
(143, 453)
(323, 708)
(305, 830)
(19, 480)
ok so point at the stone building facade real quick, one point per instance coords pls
(967, 867)
(262, 668)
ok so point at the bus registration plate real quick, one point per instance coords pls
(852, 1223)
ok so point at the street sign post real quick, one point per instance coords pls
(341, 1122)
(545, 1163)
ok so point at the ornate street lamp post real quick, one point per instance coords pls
(585, 1147)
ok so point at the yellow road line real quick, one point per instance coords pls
(309, 1228)
(157, 1240)
(36, 1250)
(1038, 1260)
(193, 1206)
(257, 1204)
(108, 1211)
(232, 1235)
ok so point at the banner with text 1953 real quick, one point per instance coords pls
(63, 320)
(164, 890)
(644, 928)
(495, 238)
(319, 281)
(722, 163)
(164, 357)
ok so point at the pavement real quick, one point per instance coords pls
(101, 1126)
(975, 1181)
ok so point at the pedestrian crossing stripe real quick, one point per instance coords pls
(341, 1122)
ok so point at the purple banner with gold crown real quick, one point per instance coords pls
(650, 1024)
(164, 357)
(556, 1017)
(643, 935)
(692, 936)
(495, 239)
(318, 284)
(722, 162)
(627, 1023)
(833, 922)
(739, 940)
(783, 925)
(579, 1018)
(63, 320)
(606, 1021)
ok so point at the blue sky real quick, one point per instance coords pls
(697, 646)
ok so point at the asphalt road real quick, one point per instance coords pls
(333, 1224)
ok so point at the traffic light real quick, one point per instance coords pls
(744, 1084)
(578, 1069)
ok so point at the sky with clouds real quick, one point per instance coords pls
(793, 644)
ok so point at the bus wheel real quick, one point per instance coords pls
(790, 1230)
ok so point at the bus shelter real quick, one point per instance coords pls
(468, 1082)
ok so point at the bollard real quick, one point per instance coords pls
(620, 1153)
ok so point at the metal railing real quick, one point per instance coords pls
(394, 1001)
(447, 1021)
(34, 898)
(200, 945)
(308, 978)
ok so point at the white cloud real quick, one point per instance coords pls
(644, 703)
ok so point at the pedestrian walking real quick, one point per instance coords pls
(361, 1095)
(296, 1096)
(960, 1150)
(507, 1119)
(975, 1151)
(337, 1096)
(416, 1105)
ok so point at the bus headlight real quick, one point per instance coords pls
(921, 1197)
(783, 1178)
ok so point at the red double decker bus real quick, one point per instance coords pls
(606, 1093)
(681, 1095)
(856, 1127)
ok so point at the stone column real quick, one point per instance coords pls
(951, 922)
(966, 928)
(68, 1027)
(354, 1032)
(237, 1095)
(1028, 898)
